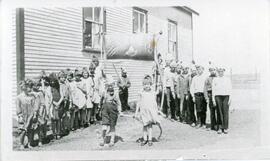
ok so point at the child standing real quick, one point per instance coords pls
(41, 111)
(72, 94)
(110, 110)
(88, 91)
(25, 112)
(79, 99)
(56, 106)
(147, 110)
(221, 96)
(64, 93)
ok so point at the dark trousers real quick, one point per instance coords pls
(223, 108)
(214, 113)
(189, 106)
(169, 103)
(123, 95)
(159, 97)
(200, 108)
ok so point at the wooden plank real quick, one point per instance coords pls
(20, 44)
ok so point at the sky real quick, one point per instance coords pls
(234, 33)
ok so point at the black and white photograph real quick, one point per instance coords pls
(115, 80)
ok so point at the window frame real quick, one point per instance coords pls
(143, 12)
(100, 23)
(171, 22)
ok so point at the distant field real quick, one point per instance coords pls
(246, 81)
(246, 91)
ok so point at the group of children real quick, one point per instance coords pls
(186, 92)
(69, 100)
(64, 102)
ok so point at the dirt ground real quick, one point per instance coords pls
(244, 132)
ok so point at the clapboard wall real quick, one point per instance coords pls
(53, 40)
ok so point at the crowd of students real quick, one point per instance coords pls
(64, 102)
(70, 100)
(186, 92)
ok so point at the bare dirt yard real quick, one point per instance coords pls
(244, 132)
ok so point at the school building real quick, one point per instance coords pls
(52, 39)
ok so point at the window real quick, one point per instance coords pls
(92, 27)
(172, 38)
(139, 20)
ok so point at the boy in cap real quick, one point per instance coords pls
(208, 97)
(180, 90)
(169, 85)
(124, 84)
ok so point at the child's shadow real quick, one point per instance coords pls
(117, 139)
(139, 140)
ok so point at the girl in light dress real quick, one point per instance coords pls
(147, 110)
(79, 99)
(88, 91)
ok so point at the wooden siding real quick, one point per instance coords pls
(53, 41)
(119, 20)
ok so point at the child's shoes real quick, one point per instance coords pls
(150, 143)
(29, 146)
(111, 144)
(144, 142)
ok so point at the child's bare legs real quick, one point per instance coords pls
(144, 135)
(53, 124)
(30, 136)
(88, 115)
(72, 119)
(22, 137)
(105, 131)
(112, 138)
(149, 129)
(93, 113)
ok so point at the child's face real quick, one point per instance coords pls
(62, 79)
(212, 71)
(111, 93)
(147, 87)
(85, 75)
(28, 89)
(220, 73)
(69, 78)
(36, 88)
(92, 70)
(77, 77)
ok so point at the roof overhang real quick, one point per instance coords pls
(188, 9)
